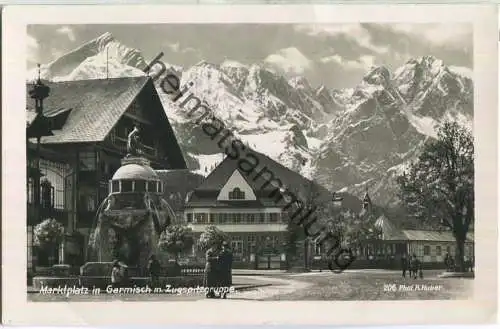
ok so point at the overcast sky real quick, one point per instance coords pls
(336, 55)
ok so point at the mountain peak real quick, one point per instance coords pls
(82, 61)
(103, 40)
(233, 64)
(377, 75)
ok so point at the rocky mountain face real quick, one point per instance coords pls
(347, 140)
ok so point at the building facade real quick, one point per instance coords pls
(394, 241)
(90, 121)
(251, 222)
(249, 209)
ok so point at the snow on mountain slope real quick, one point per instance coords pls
(388, 120)
(346, 139)
(66, 65)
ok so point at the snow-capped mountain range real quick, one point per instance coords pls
(348, 140)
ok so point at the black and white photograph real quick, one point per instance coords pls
(239, 162)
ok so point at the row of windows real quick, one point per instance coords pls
(236, 194)
(136, 186)
(232, 218)
(250, 243)
(48, 195)
(439, 250)
(390, 249)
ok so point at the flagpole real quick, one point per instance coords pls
(107, 70)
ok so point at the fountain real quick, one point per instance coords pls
(129, 221)
(127, 227)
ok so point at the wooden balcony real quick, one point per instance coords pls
(121, 144)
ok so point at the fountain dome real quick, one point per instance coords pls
(135, 176)
(135, 171)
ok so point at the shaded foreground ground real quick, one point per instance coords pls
(240, 282)
(376, 285)
(350, 285)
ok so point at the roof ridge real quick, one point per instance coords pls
(87, 80)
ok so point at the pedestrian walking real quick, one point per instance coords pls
(116, 275)
(154, 269)
(404, 264)
(211, 275)
(225, 270)
(414, 266)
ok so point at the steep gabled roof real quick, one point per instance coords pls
(392, 233)
(94, 106)
(425, 235)
(177, 184)
(294, 182)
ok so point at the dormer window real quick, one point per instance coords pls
(58, 118)
(236, 194)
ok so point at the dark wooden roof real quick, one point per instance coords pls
(294, 182)
(95, 106)
(177, 184)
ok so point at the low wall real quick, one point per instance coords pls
(180, 281)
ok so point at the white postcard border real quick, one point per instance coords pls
(17, 310)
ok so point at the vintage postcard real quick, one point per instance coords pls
(250, 165)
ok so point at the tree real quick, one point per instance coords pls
(438, 189)
(176, 239)
(48, 235)
(356, 229)
(212, 237)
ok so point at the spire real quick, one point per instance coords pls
(39, 80)
(367, 202)
(39, 92)
(107, 63)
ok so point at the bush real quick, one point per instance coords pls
(212, 237)
(176, 239)
(48, 233)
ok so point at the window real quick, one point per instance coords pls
(427, 250)
(126, 186)
(237, 245)
(87, 161)
(212, 218)
(151, 186)
(448, 250)
(189, 218)
(223, 218)
(30, 190)
(251, 218)
(200, 218)
(273, 217)
(438, 250)
(275, 241)
(140, 186)
(236, 194)
(47, 195)
(317, 249)
(261, 218)
(251, 243)
(115, 186)
(238, 218)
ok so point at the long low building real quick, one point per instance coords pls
(430, 246)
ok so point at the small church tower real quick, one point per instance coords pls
(367, 202)
(366, 205)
